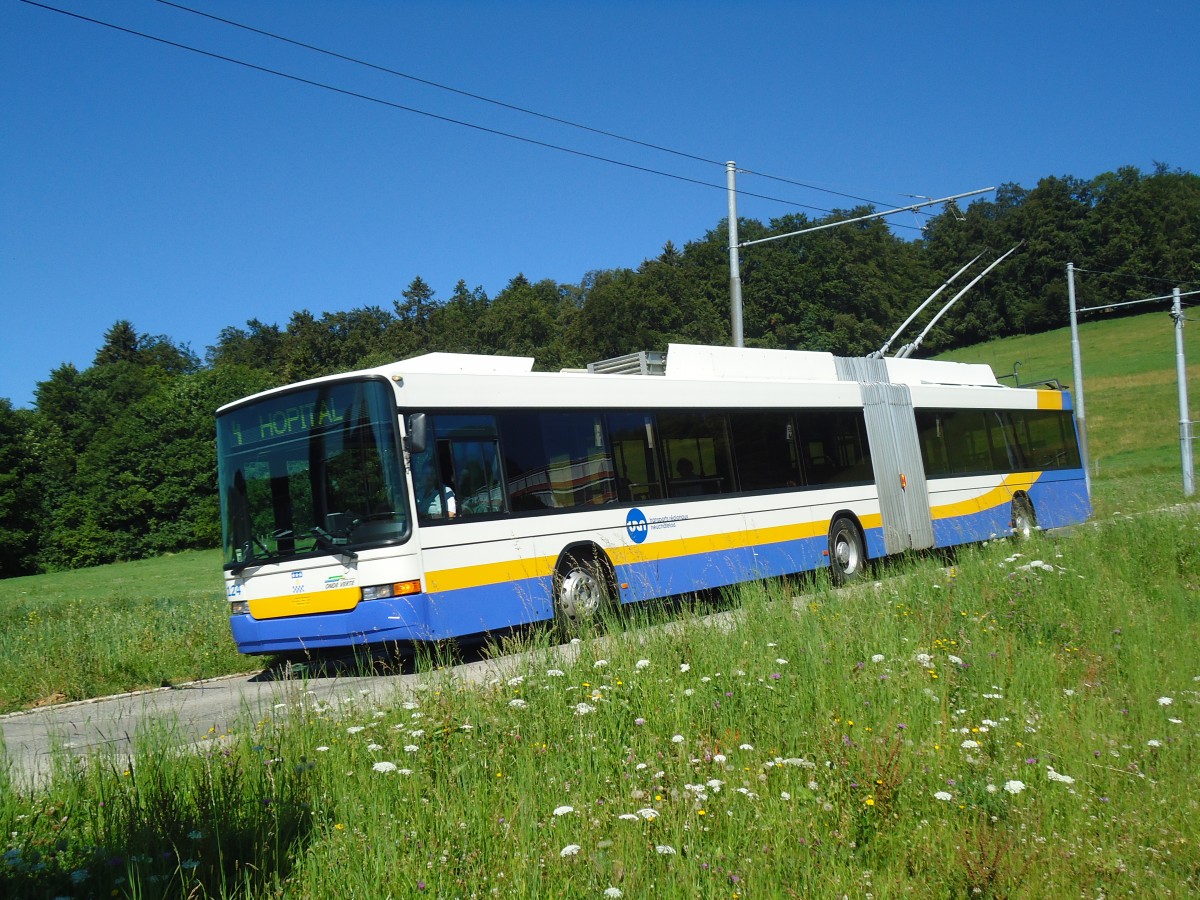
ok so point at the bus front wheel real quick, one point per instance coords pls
(847, 554)
(581, 591)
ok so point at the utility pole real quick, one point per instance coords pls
(1077, 364)
(1185, 422)
(735, 266)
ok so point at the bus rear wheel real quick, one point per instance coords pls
(1024, 519)
(847, 554)
(582, 591)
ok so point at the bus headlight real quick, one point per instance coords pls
(396, 589)
(239, 608)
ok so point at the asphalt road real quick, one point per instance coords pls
(194, 712)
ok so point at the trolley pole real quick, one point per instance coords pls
(735, 268)
(1077, 363)
(1185, 422)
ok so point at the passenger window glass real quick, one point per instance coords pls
(764, 445)
(635, 456)
(556, 460)
(834, 447)
(696, 451)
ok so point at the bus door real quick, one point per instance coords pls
(899, 472)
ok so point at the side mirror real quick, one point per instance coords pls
(415, 441)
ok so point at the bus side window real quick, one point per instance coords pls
(635, 458)
(697, 453)
(477, 476)
(835, 447)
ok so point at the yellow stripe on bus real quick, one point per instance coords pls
(997, 496)
(543, 566)
(665, 548)
(334, 600)
(1049, 399)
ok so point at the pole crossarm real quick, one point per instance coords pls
(878, 215)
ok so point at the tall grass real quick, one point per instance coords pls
(91, 632)
(1021, 723)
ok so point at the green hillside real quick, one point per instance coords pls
(1130, 395)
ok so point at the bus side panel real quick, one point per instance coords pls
(964, 514)
(968, 508)
(1061, 498)
(489, 607)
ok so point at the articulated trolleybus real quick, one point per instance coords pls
(452, 495)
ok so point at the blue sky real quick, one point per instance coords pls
(139, 181)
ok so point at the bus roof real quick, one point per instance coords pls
(697, 363)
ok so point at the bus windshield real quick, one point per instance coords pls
(311, 472)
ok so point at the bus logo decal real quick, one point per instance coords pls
(637, 526)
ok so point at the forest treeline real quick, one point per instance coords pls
(117, 461)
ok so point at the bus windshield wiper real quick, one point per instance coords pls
(248, 557)
(325, 541)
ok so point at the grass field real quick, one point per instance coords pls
(1023, 724)
(92, 632)
(139, 625)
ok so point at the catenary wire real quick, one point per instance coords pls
(411, 109)
(501, 103)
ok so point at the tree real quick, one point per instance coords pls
(18, 492)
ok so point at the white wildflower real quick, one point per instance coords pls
(569, 850)
(685, 667)
(969, 744)
(664, 850)
(641, 664)
(600, 664)
(1165, 701)
(878, 658)
(555, 673)
(677, 739)
(1153, 742)
(648, 813)
(384, 766)
(517, 703)
(1058, 776)
(563, 810)
(943, 795)
(582, 709)
(1014, 786)
(612, 892)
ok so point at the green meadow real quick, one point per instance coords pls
(1015, 720)
(1020, 721)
